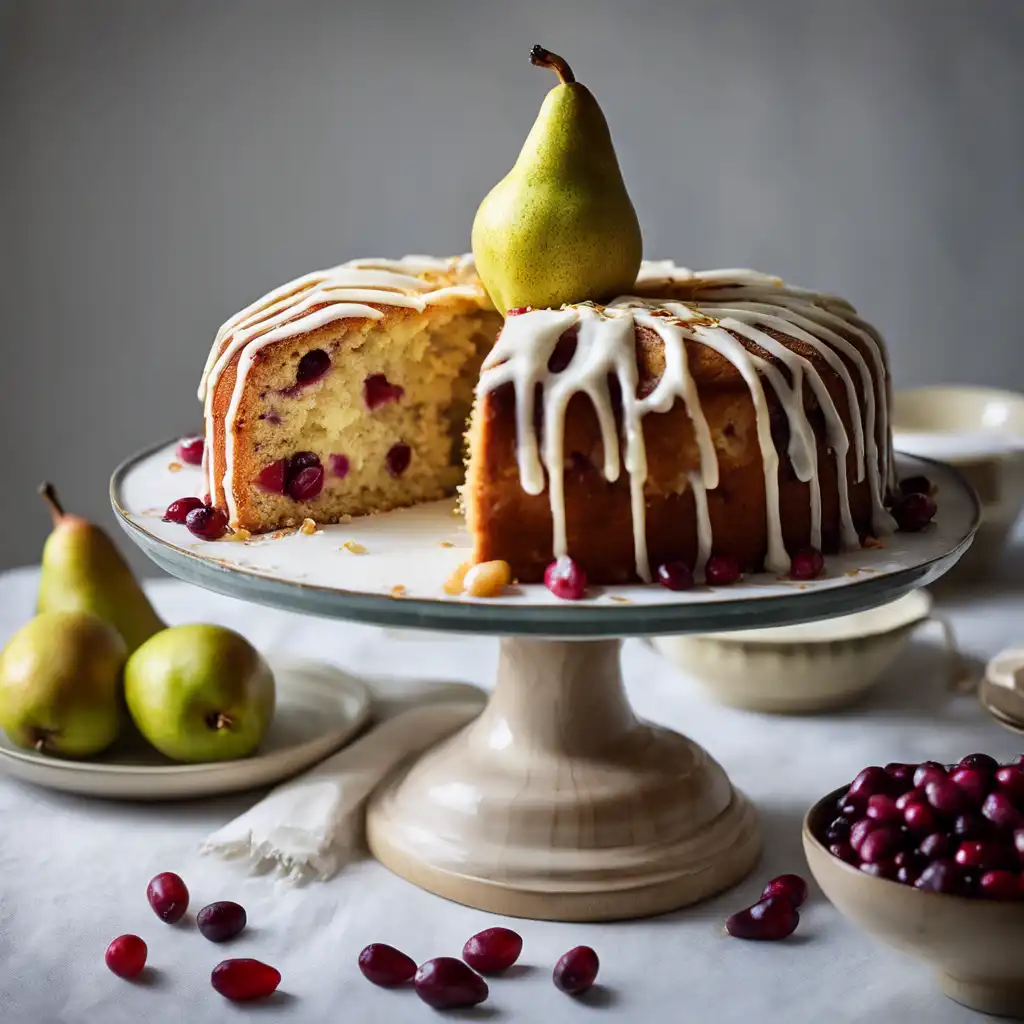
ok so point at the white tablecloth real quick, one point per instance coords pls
(73, 872)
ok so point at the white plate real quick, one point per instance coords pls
(319, 708)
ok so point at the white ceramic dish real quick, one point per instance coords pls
(319, 708)
(815, 666)
(980, 431)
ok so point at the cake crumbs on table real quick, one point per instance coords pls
(175, 467)
(873, 542)
(619, 599)
(455, 583)
(446, 543)
(354, 547)
(487, 579)
(240, 534)
(346, 518)
(397, 591)
(308, 527)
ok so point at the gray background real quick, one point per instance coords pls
(163, 163)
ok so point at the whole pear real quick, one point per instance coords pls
(84, 571)
(560, 226)
(60, 684)
(200, 693)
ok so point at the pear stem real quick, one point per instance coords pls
(49, 495)
(218, 720)
(542, 58)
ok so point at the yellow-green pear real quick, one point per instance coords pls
(60, 684)
(84, 571)
(560, 226)
(200, 693)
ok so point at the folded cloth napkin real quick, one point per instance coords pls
(309, 827)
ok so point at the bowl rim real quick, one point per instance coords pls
(854, 872)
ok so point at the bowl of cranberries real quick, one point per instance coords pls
(929, 858)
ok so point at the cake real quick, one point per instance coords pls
(717, 412)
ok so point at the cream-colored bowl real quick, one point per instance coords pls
(980, 431)
(816, 666)
(975, 945)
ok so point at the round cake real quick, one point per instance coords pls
(708, 413)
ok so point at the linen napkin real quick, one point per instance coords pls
(309, 828)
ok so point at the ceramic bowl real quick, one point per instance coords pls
(975, 945)
(980, 431)
(816, 666)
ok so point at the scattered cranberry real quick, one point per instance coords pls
(934, 847)
(576, 971)
(207, 523)
(916, 485)
(446, 983)
(1000, 885)
(793, 887)
(767, 921)
(983, 762)
(883, 809)
(926, 772)
(378, 391)
(386, 966)
(979, 855)
(340, 466)
(306, 484)
(272, 478)
(190, 450)
(518, 311)
(242, 980)
(221, 921)
(180, 508)
(397, 460)
(807, 564)
(913, 512)
(312, 366)
(493, 950)
(675, 576)
(1011, 782)
(722, 570)
(126, 956)
(881, 845)
(566, 579)
(973, 781)
(940, 876)
(999, 809)
(920, 818)
(168, 896)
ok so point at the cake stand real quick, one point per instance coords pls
(557, 802)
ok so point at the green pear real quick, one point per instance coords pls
(560, 226)
(60, 684)
(84, 571)
(200, 693)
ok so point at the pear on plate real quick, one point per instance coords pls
(83, 571)
(60, 684)
(560, 226)
(200, 693)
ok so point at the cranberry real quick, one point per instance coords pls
(844, 851)
(493, 950)
(313, 365)
(126, 956)
(916, 485)
(1000, 885)
(999, 809)
(190, 450)
(179, 509)
(934, 847)
(908, 799)
(221, 921)
(880, 869)
(340, 466)
(946, 797)
(675, 576)
(302, 460)
(870, 781)
(793, 887)
(1018, 842)
(973, 781)
(901, 774)
(722, 570)
(769, 920)
(920, 818)
(926, 772)
(306, 484)
(980, 855)
(386, 966)
(168, 896)
(883, 809)
(940, 876)
(518, 311)
(910, 859)
(445, 983)
(881, 845)
(207, 523)
(272, 478)
(576, 971)
(907, 875)
(378, 391)
(838, 829)
(807, 564)
(397, 460)
(913, 512)
(983, 762)
(860, 831)
(242, 980)
(566, 579)
(853, 807)
(1010, 781)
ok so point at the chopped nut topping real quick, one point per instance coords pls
(174, 467)
(487, 579)
(308, 527)
(397, 591)
(446, 543)
(354, 548)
